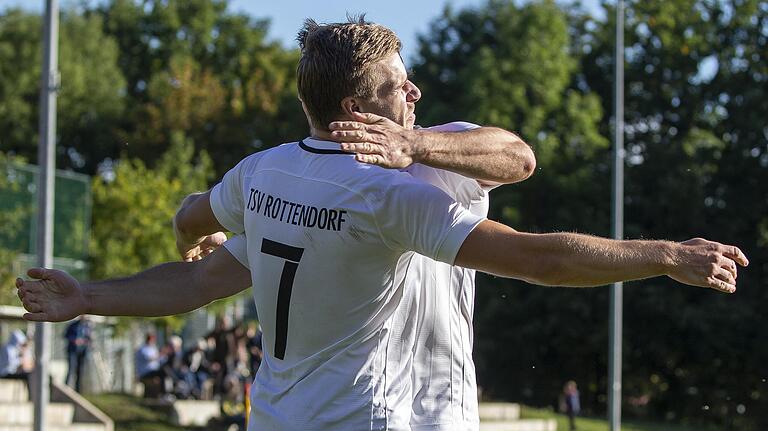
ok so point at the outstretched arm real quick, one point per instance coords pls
(166, 289)
(487, 154)
(569, 259)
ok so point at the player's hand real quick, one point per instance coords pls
(377, 140)
(202, 247)
(52, 296)
(708, 264)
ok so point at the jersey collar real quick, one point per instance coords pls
(317, 146)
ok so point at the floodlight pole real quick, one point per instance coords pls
(617, 227)
(46, 162)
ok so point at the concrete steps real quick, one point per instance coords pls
(13, 391)
(22, 413)
(506, 417)
(71, 427)
(17, 412)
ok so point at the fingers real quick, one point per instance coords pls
(720, 285)
(361, 148)
(29, 300)
(370, 159)
(728, 265)
(367, 117)
(733, 252)
(31, 306)
(725, 275)
(38, 273)
(25, 287)
(729, 251)
(356, 136)
(346, 125)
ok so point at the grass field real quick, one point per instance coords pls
(130, 414)
(594, 424)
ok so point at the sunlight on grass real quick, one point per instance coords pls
(594, 424)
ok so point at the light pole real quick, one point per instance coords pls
(617, 226)
(46, 162)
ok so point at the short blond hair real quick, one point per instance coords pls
(336, 62)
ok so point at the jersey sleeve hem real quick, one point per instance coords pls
(222, 215)
(238, 248)
(452, 242)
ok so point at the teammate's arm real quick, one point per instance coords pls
(198, 232)
(569, 259)
(166, 289)
(203, 216)
(488, 154)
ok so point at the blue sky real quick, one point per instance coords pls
(406, 17)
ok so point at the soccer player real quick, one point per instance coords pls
(327, 244)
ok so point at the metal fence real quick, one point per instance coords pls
(72, 217)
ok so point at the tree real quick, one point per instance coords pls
(515, 67)
(12, 217)
(696, 166)
(695, 73)
(90, 100)
(174, 52)
(134, 205)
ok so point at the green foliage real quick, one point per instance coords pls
(11, 219)
(697, 166)
(186, 78)
(132, 211)
(511, 66)
(192, 66)
(90, 100)
(694, 73)
(135, 73)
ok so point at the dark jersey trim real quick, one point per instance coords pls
(306, 147)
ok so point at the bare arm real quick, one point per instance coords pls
(569, 259)
(198, 232)
(487, 154)
(167, 289)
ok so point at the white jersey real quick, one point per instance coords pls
(327, 242)
(441, 296)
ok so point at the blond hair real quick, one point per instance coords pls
(336, 62)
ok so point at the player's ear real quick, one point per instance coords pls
(349, 105)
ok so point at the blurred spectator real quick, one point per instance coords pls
(176, 370)
(240, 371)
(570, 403)
(222, 360)
(148, 368)
(78, 335)
(198, 366)
(12, 358)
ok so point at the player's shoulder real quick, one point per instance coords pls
(281, 151)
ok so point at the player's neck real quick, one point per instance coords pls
(319, 134)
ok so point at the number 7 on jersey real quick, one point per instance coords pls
(292, 256)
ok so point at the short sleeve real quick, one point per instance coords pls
(226, 199)
(237, 246)
(419, 217)
(456, 126)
